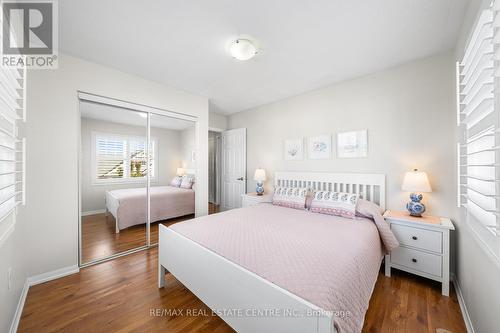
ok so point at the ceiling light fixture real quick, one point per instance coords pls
(243, 49)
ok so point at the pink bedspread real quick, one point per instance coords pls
(130, 205)
(330, 261)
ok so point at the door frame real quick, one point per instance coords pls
(130, 106)
(218, 175)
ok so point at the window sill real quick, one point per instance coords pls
(123, 182)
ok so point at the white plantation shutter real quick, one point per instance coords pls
(120, 158)
(479, 116)
(12, 148)
(110, 157)
(138, 158)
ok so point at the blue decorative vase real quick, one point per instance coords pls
(260, 188)
(415, 207)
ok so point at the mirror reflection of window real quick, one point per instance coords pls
(114, 174)
(121, 177)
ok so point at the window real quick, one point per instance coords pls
(12, 147)
(121, 158)
(479, 120)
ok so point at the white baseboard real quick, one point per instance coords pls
(49, 276)
(463, 307)
(34, 280)
(19, 309)
(92, 212)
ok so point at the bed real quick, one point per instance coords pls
(129, 206)
(266, 268)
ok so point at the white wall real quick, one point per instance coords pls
(48, 225)
(477, 272)
(216, 120)
(407, 110)
(12, 254)
(168, 152)
(187, 148)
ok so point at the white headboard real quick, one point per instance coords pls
(370, 186)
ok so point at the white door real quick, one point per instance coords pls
(234, 165)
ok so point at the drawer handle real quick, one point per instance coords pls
(414, 237)
(414, 260)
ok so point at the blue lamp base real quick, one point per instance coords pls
(415, 207)
(260, 188)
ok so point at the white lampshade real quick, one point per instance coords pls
(180, 171)
(416, 181)
(260, 175)
(243, 49)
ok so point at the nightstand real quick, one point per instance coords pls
(424, 246)
(251, 199)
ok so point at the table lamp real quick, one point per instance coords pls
(180, 171)
(260, 177)
(416, 182)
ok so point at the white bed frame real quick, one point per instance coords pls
(226, 286)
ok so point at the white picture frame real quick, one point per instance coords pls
(320, 147)
(294, 149)
(352, 144)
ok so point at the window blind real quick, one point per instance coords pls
(110, 157)
(122, 158)
(478, 112)
(12, 147)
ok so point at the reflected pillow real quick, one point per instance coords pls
(176, 182)
(187, 182)
(334, 203)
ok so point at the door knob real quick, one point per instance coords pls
(241, 178)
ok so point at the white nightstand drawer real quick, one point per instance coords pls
(420, 238)
(420, 261)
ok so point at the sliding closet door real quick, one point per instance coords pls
(172, 171)
(113, 180)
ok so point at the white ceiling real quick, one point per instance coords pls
(129, 117)
(304, 44)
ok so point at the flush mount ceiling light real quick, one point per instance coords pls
(243, 49)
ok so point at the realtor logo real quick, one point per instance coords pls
(29, 34)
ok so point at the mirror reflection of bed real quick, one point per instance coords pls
(114, 178)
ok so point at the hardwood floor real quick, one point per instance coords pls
(99, 239)
(119, 295)
(213, 208)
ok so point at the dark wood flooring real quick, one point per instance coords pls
(99, 239)
(119, 295)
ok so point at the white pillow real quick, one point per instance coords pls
(334, 203)
(176, 181)
(292, 197)
(187, 182)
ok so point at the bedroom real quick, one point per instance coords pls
(357, 93)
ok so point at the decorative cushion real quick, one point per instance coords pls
(176, 181)
(365, 208)
(335, 203)
(292, 197)
(187, 182)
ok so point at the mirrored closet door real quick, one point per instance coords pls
(113, 180)
(137, 171)
(172, 182)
